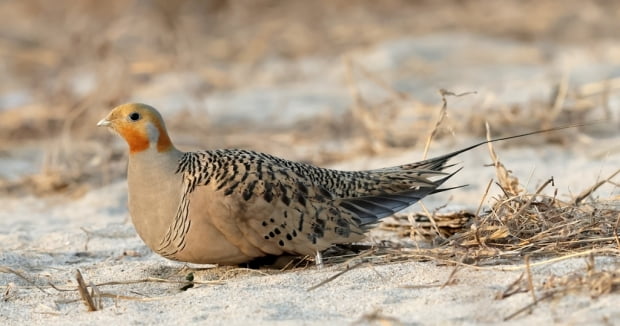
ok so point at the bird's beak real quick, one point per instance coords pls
(103, 123)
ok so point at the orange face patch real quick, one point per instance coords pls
(137, 139)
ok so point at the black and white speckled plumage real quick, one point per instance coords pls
(304, 206)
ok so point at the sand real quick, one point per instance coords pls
(48, 239)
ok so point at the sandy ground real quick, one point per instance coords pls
(47, 239)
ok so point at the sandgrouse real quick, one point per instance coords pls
(230, 206)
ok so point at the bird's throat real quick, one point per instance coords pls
(137, 140)
(140, 140)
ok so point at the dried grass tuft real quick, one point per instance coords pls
(516, 225)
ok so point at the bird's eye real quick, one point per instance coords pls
(135, 116)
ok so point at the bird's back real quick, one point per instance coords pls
(228, 167)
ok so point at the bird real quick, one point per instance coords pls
(231, 206)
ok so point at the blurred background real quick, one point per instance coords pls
(321, 81)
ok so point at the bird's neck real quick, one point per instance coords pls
(154, 191)
(154, 160)
(150, 167)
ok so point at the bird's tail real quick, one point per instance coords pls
(370, 209)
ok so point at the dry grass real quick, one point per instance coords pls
(91, 41)
(75, 161)
(518, 224)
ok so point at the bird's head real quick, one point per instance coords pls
(140, 125)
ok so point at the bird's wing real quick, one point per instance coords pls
(262, 205)
(259, 203)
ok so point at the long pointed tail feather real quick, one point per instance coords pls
(438, 163)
